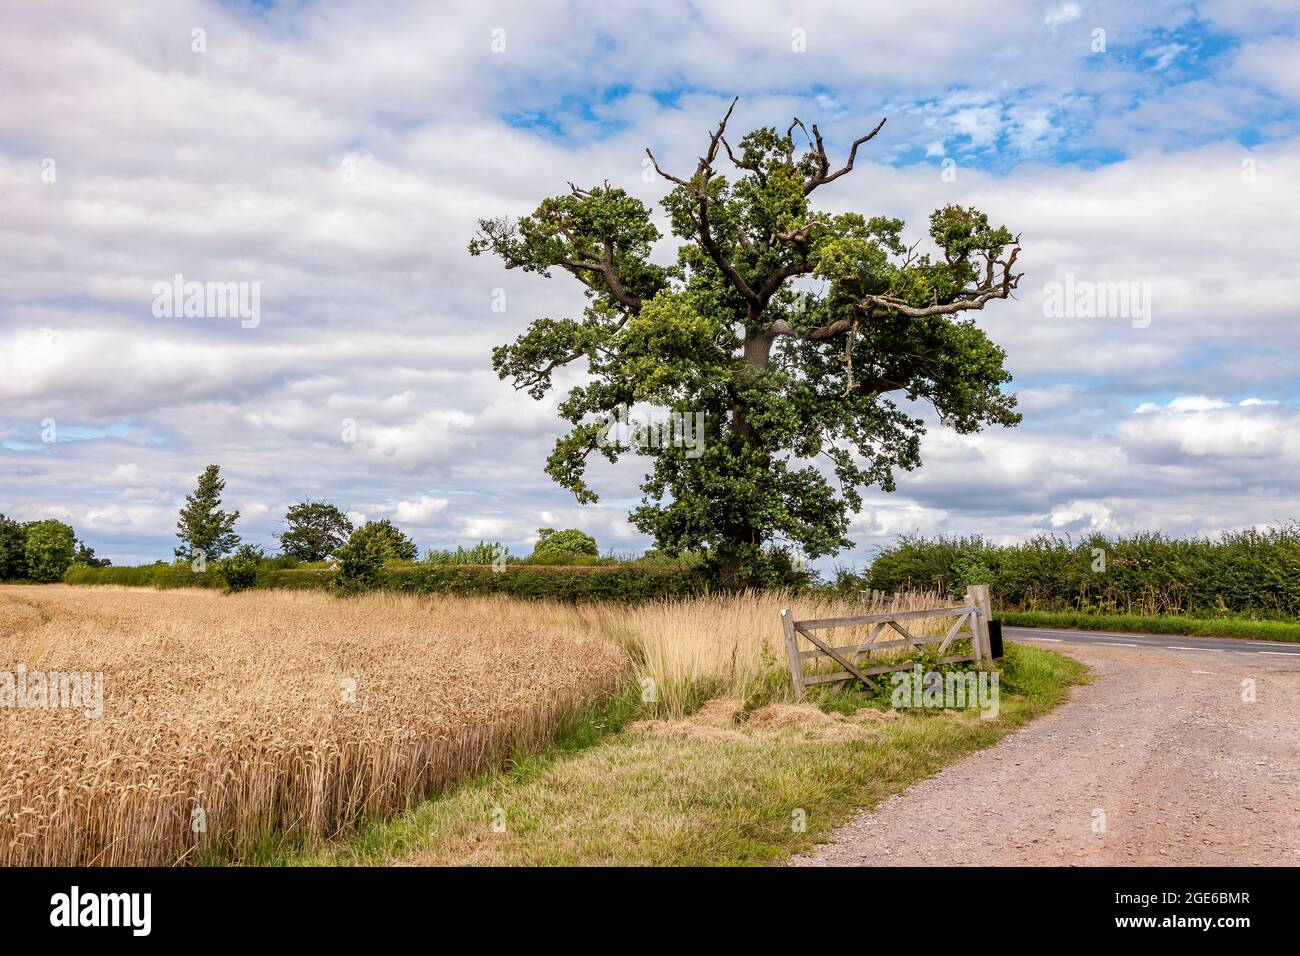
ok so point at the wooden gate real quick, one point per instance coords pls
(973, 616)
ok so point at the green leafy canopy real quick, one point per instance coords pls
(797, 332)
(390, 539)
(316, 529)
(50, 548)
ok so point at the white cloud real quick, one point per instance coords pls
(1274, 63)
(114, 518)
(1188, 403)
(421, 512)
(1086, 517)
(231, 165)
(1198, 427)
(1062, 14)
(1164, 55)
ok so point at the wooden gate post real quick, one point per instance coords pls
(792, 649)
(978, 595)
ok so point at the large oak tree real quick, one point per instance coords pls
(798, 333)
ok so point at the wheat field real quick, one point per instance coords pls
(227, 719)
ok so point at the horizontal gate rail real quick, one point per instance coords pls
(974, 615)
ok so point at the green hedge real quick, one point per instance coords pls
(177, 575)
(1254, 572)
(624, 582)
(1230, 626)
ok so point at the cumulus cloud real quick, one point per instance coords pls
(339, 155)
(421, 512)
(1196, 427)
(1164, 54)
(1062, 14)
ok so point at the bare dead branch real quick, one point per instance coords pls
(751, 167)
(668, 176)
(700, 184)
(824, 175)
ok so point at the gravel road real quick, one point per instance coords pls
(1159, 761)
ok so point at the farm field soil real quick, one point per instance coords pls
(229, 719)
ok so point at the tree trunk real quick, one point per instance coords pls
(729, 572)
(757, 353)
(758, 349)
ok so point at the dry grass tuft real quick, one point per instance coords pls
(724, 719)
(733, 645)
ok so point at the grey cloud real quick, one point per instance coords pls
(230, 166)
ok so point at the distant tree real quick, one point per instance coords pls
(396, 545)
(482, 553)
(570, 541)
(360, 562)
(203, 527)
(51, 546)
(239, 570)
(13, 549)
(317, 529)
(86, 556)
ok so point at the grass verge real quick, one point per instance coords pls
(1286, 631)
(614, 790)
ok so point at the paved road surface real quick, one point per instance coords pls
(1042, 635)
(1163, 759)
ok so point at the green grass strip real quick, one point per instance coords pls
(1238, 627)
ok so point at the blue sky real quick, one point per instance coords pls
(338, 154)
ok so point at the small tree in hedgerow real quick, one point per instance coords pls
(317, 529)
(789, 377)
(360, 563)
(569, 543)
(395, 545)
(50, 548)
(239, 570)
(203, 527)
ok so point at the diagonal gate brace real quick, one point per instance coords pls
(834, 654)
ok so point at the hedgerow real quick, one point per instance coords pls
(1252, 571)
(629, 582)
